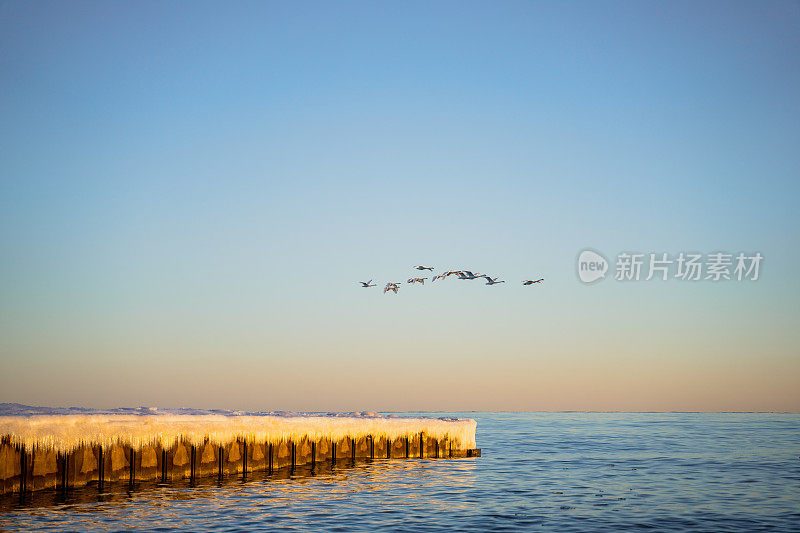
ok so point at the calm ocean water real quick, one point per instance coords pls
(539, 471)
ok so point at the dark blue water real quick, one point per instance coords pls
(539, 471)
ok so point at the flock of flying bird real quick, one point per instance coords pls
(460, 274)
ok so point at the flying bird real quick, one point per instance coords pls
(390, 287)
(367, 283)
(466, 274)
(531, 282)
(492, 281)
(420, 267)
(417, 280)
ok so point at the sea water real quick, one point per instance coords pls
(538, 471)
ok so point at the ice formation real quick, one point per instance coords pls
(66, 429)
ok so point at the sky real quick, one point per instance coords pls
(190, 192)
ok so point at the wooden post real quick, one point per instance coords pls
(192, 457)
(61, 466)
(450, 445)
(270, 458)
(101, 469)
(437, 448)
(132, 469)
(23, 463)
(220, 459)
(371, 447)
(244, 460)
(421, 446)
(294, 450)
(406, 446)
(163, 465)
(313, 455)
(333, 453)
(388, 448)
(353, 448)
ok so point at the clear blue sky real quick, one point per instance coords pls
(189, 190)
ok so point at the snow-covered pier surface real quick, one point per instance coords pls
(50, 448)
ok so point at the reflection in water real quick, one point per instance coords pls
(563, 471)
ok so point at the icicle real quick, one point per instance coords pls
(65, 433)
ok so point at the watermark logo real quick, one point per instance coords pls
(685, 266)
(591, 266)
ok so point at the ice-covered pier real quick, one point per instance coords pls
(65, 448)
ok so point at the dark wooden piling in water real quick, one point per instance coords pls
(192, 464)
(23, 463)
(132, 470)
(220, 455)
(244, 459)
(101, 469)
(61, 470)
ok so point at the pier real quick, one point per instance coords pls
(65, 452)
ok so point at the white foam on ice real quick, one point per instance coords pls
(65, 429)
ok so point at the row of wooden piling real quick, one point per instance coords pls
(440, 451)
